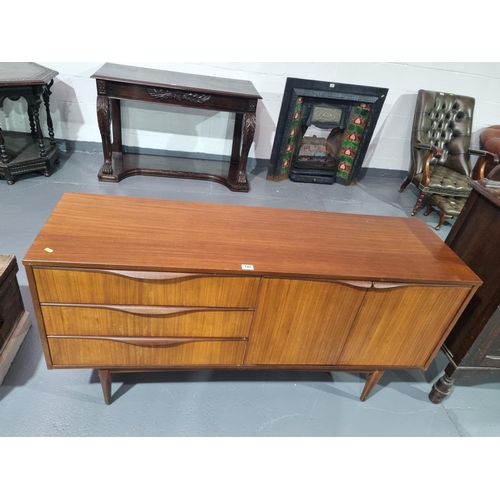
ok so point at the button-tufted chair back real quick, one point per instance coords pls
(443, 120)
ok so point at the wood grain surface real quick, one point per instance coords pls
(116, 232)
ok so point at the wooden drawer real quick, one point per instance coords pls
(144, 288)
(149, 321)
(112, 352)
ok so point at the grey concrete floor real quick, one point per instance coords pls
(35, 401)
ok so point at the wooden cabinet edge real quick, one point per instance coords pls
(466, 300)
(38, 315)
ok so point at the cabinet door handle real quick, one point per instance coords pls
(1, 321)
(381, 286)
(357, 284)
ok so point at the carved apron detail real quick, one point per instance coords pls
(178, 95)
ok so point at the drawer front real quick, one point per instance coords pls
(102, 352)
(11, 309)
(148, 321)
(131, 288)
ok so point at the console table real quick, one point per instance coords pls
(116, 82)
(473, 346)
(21, 153)
(166, 285)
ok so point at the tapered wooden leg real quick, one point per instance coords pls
(404, 185)
(371, 382)
(441, 389)
(105, 377)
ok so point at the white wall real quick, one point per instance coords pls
(150, 126)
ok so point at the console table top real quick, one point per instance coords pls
(24, 73)
(182, 81)
(118, 232)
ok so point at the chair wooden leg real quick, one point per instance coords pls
(371, 382)
(419, 202)
(404, 185)
(442, 218)
(430, 204)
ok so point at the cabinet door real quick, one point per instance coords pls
(402, 325)
(301, 322)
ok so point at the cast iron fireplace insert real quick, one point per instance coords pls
(324, 130)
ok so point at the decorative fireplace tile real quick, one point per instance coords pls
(311, 102)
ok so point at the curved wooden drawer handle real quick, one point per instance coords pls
(151, 275)
(149, 342)
(153, 310)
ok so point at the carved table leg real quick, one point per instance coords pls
(31, 119)
(38, 128)
(371, 382)
(105, 377)
(103, 118)
(441, 389)
(248, 133)
(46, 99)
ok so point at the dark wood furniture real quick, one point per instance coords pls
(117, 82)
(22, 153)
(473, 346)
(14, 320)
(447, 207)
(165, 285)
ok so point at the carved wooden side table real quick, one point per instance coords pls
(116, 82)
(21, 153)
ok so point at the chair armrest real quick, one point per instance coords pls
(432, 152)
(486, 157)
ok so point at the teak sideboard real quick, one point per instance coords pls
(126, 284)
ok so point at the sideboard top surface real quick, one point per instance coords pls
(183, 81)
(118, 232)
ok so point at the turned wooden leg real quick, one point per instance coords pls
(31, 120)
(104, 119)
(404, 185)
(371, 382)
(38, 128)
(105, 377)
(441, 389)
(419, 202)
(46, 100)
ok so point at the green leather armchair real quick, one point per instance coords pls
(440, 146)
